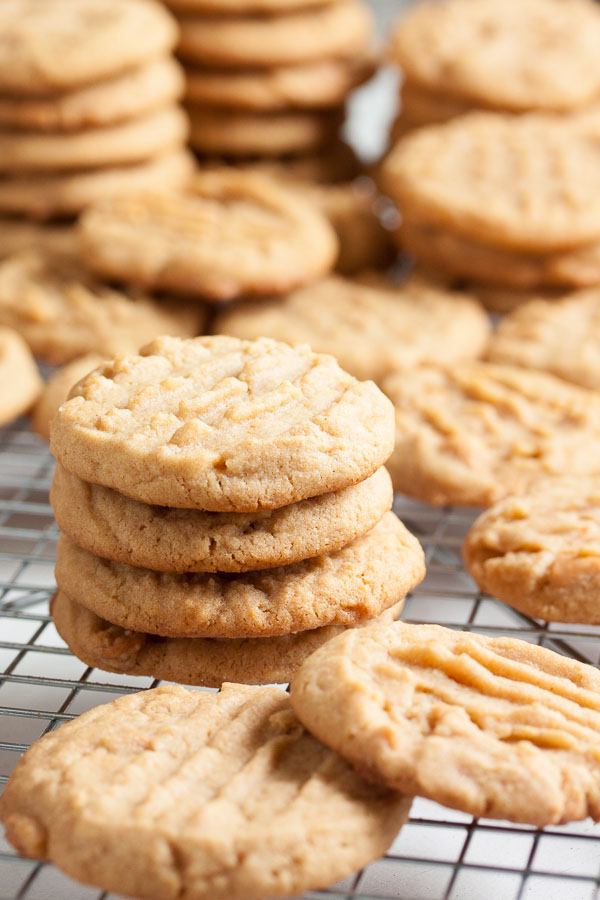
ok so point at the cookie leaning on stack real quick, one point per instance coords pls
(224, 510)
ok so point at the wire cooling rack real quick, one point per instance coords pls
(439, 854)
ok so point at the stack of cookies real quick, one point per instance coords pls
(89, 103)
(517, 56)
(224, 511)
(270, 77)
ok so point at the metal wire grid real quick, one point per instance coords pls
(439, 855)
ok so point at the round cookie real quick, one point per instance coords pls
(340, 30)
(333, 164)
(20, 382)
(234, 234)
(113, 526)
(372, 329)
(209, 796)
(355, 583)
(540, 552)
(202, 661)
(56, 390)
(220, 424)
(521, 184)
(516, 55)
(45, 196)
(495, 727)
(224, 132)
(314, 85)
(63, 311)
(473, 433)
(134, 94)
(127, 142)
(557, 336)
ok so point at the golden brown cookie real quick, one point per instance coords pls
(495, 727)
(540, 552)
(63, 311)
(220, 424)
(558, 336)
(355, 583)
(192, 793)
(17, 235)
(473, 433)
(56, 390)
(163, 539)
(133, 94)
(340, 30)
(125, 143)
(242, 7)
(45, 196)
(20, 382)
(422, 106)
(59, 45)
(233, 234)
(203, 661)
(372, 329)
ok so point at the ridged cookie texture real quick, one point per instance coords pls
(474, 433)
(495, 727)
(358, 582)
(220, 424)
(113, 526)
(189, 793)
(540, 552)
(203, 661)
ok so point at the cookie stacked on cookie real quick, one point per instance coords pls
(224, 511)
(270, 77)
(88, 105)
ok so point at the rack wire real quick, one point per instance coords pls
(439, 855)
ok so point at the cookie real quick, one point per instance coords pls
(473, 433)
(495, 727)
(127, 142)
(519, 184)
(239, 133)
(358, 582)
(314, 85)
(226, 425)
(197, 794)
(113, 526)
(421, 106)
(56, 390)
(242, 7)
(540, 552)
(17, 235)
(333, 164)
(45, 196)
(63, 311)
(372, 329)
(558, 336)
(54, 45)
(234, 234)
(517, 55)
(202, 661)
(133, 94)
(20, 382)
(340, 30)
(505, 300)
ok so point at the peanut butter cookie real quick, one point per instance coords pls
(56, 390)
(20, 382)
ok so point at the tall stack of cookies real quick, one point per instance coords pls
(89, 103)
(224, 511)
(270, 77)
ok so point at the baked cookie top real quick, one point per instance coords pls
(495, 727)
(235, 233)
(348, 586)
(558, 336)
(514, 55)
(116, 527)
(197, 793)
(54, 45)
(474, 433)
(523, 184)
(63, 311)
(540, 552)
(20, 382)
(221, 424)
(372, 327)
